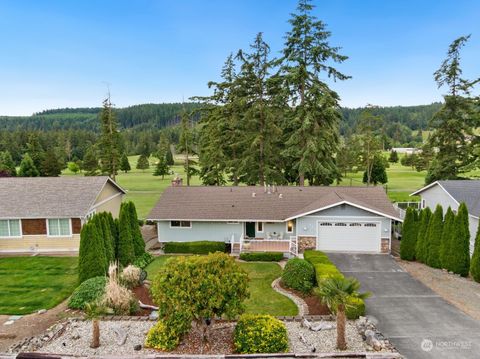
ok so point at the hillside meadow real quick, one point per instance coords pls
(144, 189)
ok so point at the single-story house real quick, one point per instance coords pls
(354, 219)
(451, 193)
(46, 214)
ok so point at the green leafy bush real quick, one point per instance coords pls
(299, 275)
(355, 308)
(89, 291)
(143, 261)
(201, 247)
(262, 257)
(165, 335)
(256, 333)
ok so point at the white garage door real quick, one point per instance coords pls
(353, 236)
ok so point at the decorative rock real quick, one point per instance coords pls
(153, 315)
(137, 347)
(9, 322)
(41, 311)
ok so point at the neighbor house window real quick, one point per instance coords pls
(10, 228)
(423, 205)
(259, 226)
(180, 224)
(59, 227)
(290, 227)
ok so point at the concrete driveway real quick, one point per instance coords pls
(417, 321)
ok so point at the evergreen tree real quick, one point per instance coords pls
(91, 260)
(7, 166)
(163, 146)
(90, 162)
(393, 157)
(27, 167)
(162, 167)
(421, 245)
(36, 151)
(51, 165)
(409, 235)
(115, 227)
(124, 163)
(108, 237)
(460, 257)
(447, 233)
(378, 171)
(125, 247)
(311, 130)
(454, 123)
(369, 132)
(109, 142)
(475, 262)
(169, 157)
(138, 242)
(142, 163)
(434, 238)
(186, 146)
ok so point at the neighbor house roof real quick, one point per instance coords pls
(50, 197)
(467, 191)
(214, 203)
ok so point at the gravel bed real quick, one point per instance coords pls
(324, 340)
(77, 337)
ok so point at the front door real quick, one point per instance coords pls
(250, 229)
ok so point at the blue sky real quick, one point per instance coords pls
(61, 53)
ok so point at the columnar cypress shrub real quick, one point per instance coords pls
(116, 228)
(138, 242)
(91, 260)
(107, 238)
(434, 238)
(445, 247)
(409, 235)
(475, 263)
(460, 256)
(97, 222)
(126, 252)
(421, 245)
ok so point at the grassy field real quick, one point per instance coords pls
(263, 299)
(28, 284)
(144, 189)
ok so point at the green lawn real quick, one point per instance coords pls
(263, 299)
(28, 284)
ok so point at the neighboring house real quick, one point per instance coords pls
(353, 219)
(406, 150)
(451, 194)
(46, 214)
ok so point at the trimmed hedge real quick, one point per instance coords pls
(262, 257)
(324, 268)
(257, 333)
(87, 292)
(299, 275)
(201, 247)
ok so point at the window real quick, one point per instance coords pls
(370, 225)
(355, 224)
(59, 227)
(259, 226)
(10, 228)
(290, 227)
(423, 203)
(180, 224)
(326, 224)
(340, 224)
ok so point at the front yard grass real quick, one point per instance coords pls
(263, 299)
(28, 284)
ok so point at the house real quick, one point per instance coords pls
(450, 194)
(288, 218)
(45, 214)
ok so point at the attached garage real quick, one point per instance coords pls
(349, 236)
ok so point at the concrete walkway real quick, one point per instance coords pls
(417, 321)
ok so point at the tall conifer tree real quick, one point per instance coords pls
(460, 257)
(109, 140)
(445, 248)
(421, 245)
(434, 238)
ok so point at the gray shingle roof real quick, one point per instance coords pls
(49, 197)
(238, 203)
(467, 191)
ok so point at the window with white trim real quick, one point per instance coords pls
(180, 224)
(340, 224)
(259, 226)
(59, 227)
(369, 225)
(290, 227)
(326, 224)
(10, 228)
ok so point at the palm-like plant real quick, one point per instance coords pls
(93, 311)
(335, 293)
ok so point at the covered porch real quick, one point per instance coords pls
(242, 245)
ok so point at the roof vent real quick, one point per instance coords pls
(254, 194)
(280, 195)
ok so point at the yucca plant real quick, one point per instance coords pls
(335, 292)
(93, 311)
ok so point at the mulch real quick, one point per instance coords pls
(142, 293)
(220, 340)
(315, 306)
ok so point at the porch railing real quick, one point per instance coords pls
(242, 244)
(401, 207)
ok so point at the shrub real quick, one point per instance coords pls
(131, 276)
(89, 291)
(409, 235)
(445, 250)
(475, 262)
(118, 298)
(166, 334)
(138, 242)
(262, 257)
(421, 245)
(460, 246)
(299, 275)
(125, 249)
(434, 238)
(201, 247)
(91, 257)
(143, 261)
(255, 333)
(355, 308)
